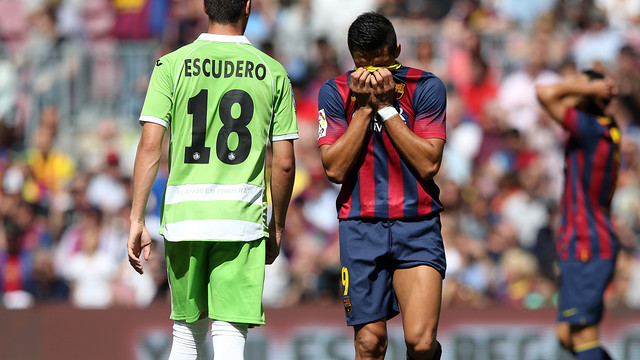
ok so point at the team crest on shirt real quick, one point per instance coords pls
(322, 124)
(347, 305)
(400, 90)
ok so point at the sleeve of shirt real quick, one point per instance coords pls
(285, 126)
(332, 122)
(159, 100)
(430, 105)
(570, 121)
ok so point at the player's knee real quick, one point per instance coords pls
(563, 334)
(371, 344)
(421, 343)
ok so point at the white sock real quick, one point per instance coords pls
(228, 340)
(188, 339)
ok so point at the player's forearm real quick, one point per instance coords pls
(339, 158)
(422, 155)
(283, 170)
(552, 97)
(145, 171)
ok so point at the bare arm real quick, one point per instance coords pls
(145, 171)
(553, 97)
(339, 158)
(283, 170)
(423, 156)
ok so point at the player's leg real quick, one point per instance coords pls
(367, 285)
(419, 290)
(235, 295)
(228, 340)
(186, 269)
(581, 305)
(586, 343)
(370, 340)
(188, 339)
(563, 332)
(418, 248)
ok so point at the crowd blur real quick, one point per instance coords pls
(73, 74)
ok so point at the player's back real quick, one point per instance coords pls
(592, 161)
(223, 98)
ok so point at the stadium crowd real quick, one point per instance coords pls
(73, 75)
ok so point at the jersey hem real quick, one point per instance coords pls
(285, 137)
(152, 119)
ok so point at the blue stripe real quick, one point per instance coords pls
(381, 176)
(355, 199)
(410, 192)
(573, 201)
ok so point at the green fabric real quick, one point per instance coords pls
(223, 280)
(222, 101)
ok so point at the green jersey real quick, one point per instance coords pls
(222, 100)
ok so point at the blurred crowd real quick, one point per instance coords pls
(73, 75)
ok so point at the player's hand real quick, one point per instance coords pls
(360, 86)
(603, 88)
(383, 88)
(139, 241)
(273, 244)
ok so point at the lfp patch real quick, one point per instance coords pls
(347, 305)
(322, 124)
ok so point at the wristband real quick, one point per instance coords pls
(387, 112)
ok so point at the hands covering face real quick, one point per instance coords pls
(377, 89)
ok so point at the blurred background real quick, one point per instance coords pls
(73, 76)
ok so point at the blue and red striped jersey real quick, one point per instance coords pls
(381, 185)
(592, 161)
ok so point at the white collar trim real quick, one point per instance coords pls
(224, 38)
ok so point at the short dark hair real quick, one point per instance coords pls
(588, 104)
(224, 11)
(593, 75)
(371, 31)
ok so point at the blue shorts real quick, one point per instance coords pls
(372, 249)
(582, 286)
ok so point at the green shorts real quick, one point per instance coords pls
(223, 279)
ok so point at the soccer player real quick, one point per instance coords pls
(381, 135)
(587, 245)
(222, 100)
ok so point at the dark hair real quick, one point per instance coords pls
(224, 11)
(593, 75)
(370, 32)
(589, 104)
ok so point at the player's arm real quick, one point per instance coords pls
(283, 169)
(339, 158)
(553, 98)
(145, 171)
(423, 156)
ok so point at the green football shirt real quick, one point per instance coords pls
(222, 100)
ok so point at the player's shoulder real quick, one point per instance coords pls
(276, 68)
(419, 75)
(175, 57)
(424, 80)
(337, 83)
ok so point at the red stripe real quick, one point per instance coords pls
(368, 184)
(568, 203)
(396, 182)
(342, 84)
(345, 197)
(583, 250)
(406, 102)
(596, 187)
